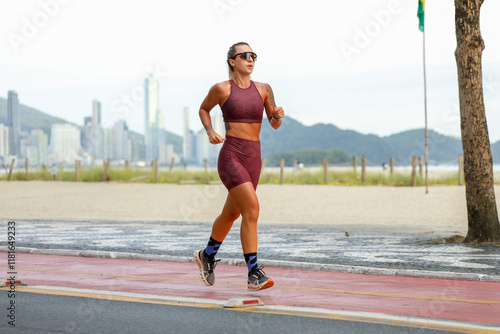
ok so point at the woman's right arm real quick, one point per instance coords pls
(213, 98)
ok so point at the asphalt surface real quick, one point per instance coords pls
(315, 248)
(68, 314)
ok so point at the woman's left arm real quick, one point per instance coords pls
(274, 114)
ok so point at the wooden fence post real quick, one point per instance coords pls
(363, 168)
(325, 171)
(413, 171)
(11, 168)
(460, 169)
(294, 166)
(77, 170)
(105, 174)
(127, 164)
(155, 164)
(420, 167)
(391, 164)
(206, 165)
(26, 165)
(171, 164)
(282, 171)
(354, 164)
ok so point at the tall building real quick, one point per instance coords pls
(87, 121)
(96, 113)
(218, 125)
(93, 133)
(162, 139)
(205, 150)
(187, 142)
(4, 140)
(137, 147)
(31, 153)
(13, 123)
(107, 144)
(120, 140)
(40, 141)
(151, 117)
(64, 143)
(202, 146)
(167, 153)
(87, 138)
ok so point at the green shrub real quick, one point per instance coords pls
(180, 176)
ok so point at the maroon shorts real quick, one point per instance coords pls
(239, 162)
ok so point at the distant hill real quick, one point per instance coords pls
(442, 148)
(294, 136)
(32, 118)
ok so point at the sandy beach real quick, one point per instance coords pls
(382, 208)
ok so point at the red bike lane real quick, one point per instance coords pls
(456, 300)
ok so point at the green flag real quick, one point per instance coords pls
(421, 14)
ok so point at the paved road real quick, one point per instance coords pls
(41, 313)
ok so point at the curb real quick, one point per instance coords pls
(268, 263)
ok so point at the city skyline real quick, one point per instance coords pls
(118, 144)
(94, 142)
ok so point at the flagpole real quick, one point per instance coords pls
(426, 129)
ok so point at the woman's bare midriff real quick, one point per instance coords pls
(248, 131)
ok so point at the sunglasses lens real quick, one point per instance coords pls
(249, 55)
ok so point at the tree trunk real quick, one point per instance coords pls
(482, 215)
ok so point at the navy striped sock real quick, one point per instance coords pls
(212, 248)
(251, 260)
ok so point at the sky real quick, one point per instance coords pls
(356, 64)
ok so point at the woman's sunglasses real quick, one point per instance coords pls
(246, 56)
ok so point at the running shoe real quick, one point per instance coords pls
(206, 266)
(257, 280)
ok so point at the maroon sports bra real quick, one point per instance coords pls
(244, 105)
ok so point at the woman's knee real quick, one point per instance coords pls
(231, 215)
(251, 214)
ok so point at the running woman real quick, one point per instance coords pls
(242, 102)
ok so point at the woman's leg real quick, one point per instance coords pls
(245, 198)
(205, 259)
(223, 223)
